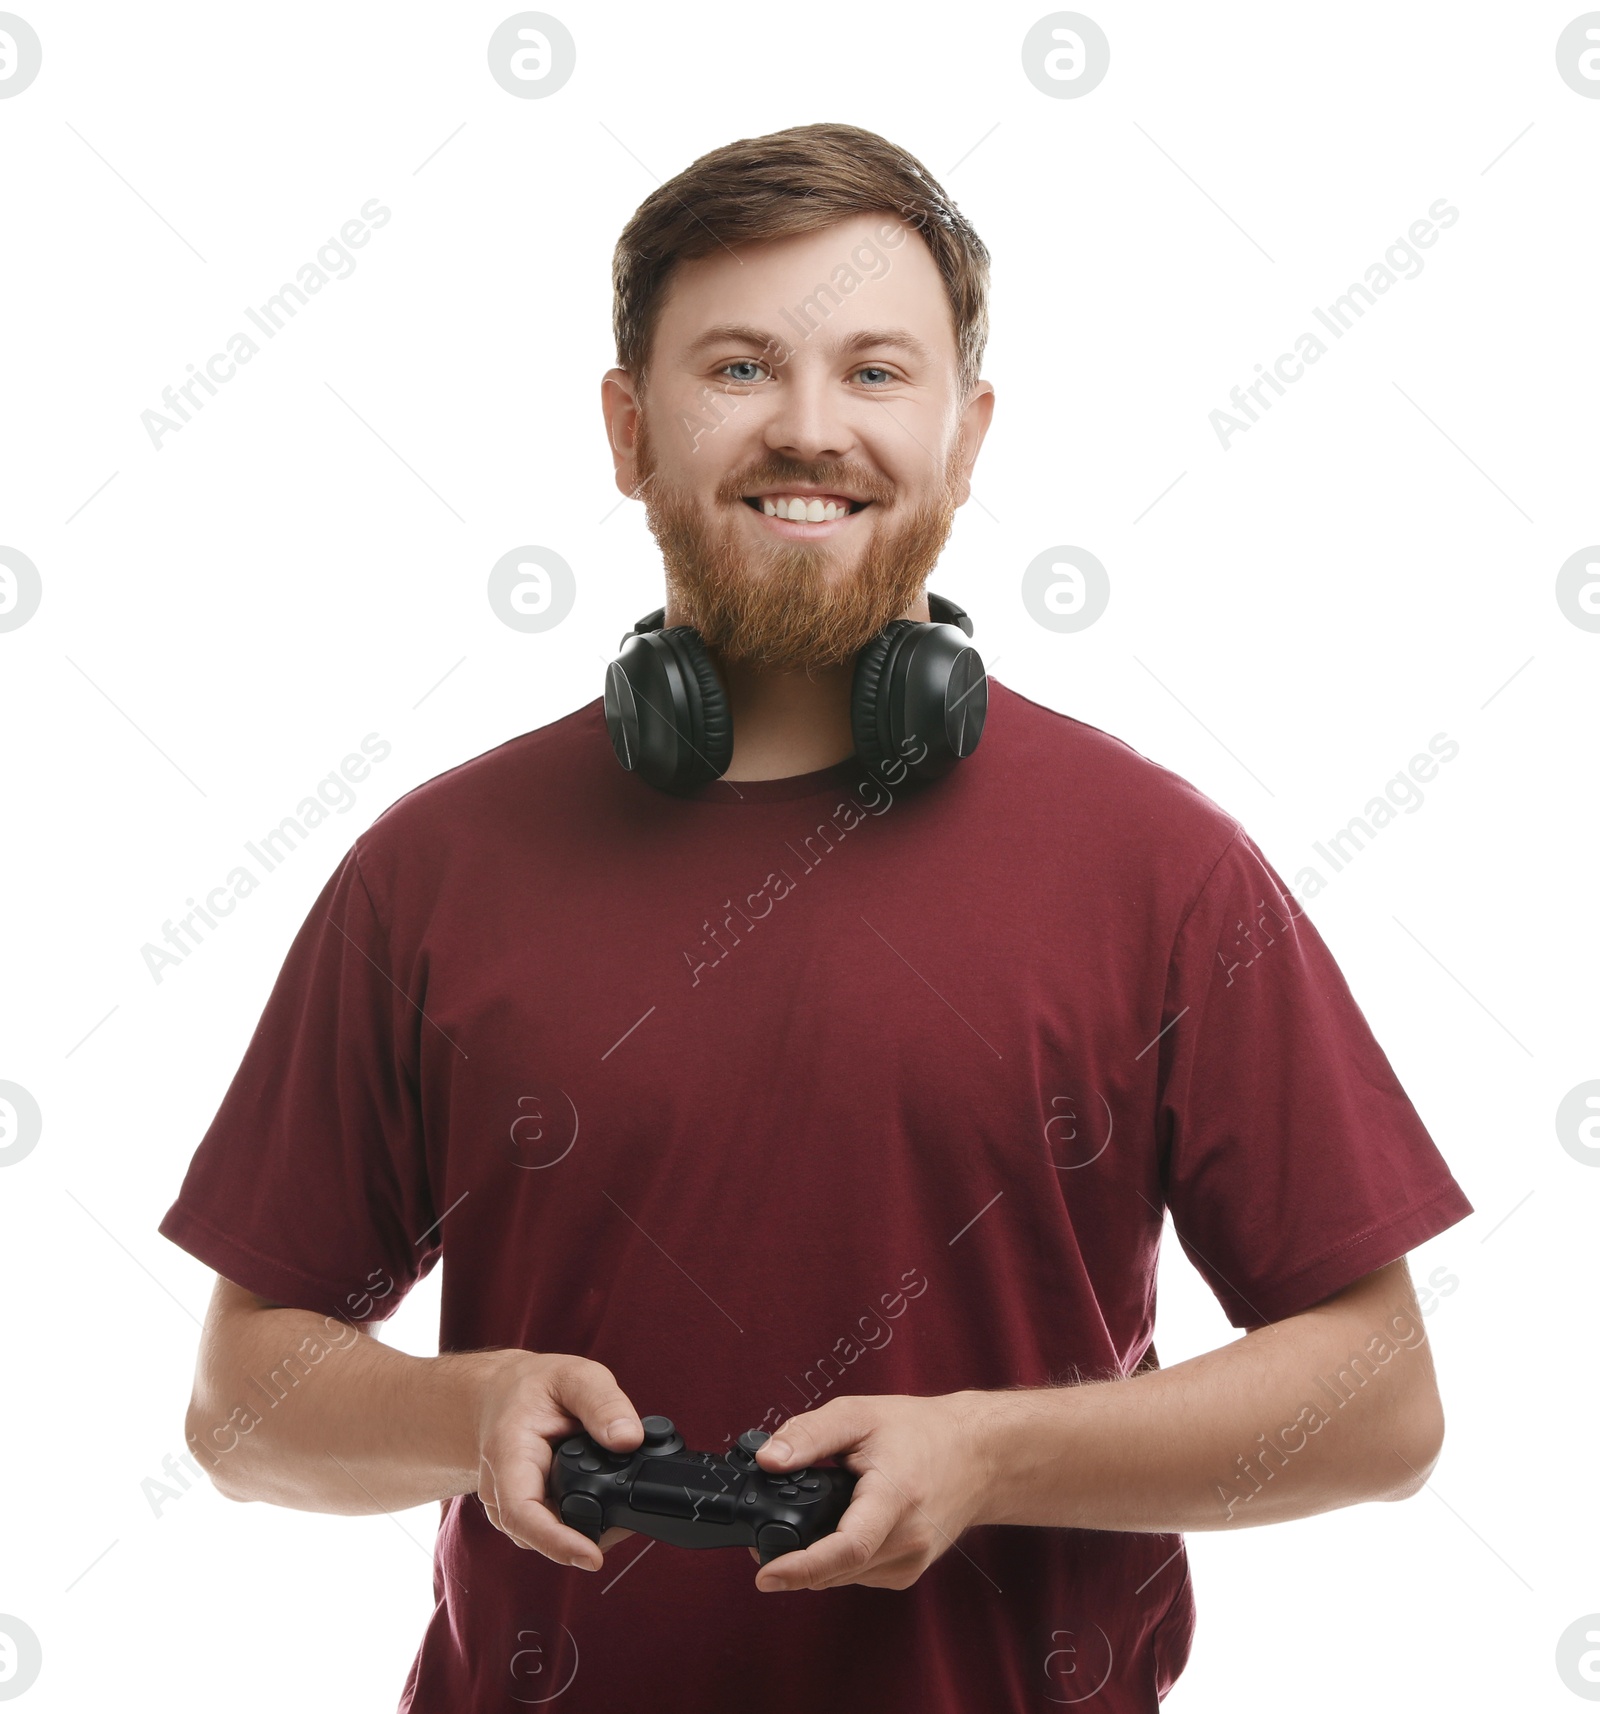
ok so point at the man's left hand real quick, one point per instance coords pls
(921, 1480)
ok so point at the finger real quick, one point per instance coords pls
(837, 1426)
(511, 1484)
(589, 1392)
(873, 1512)
(609, 1538)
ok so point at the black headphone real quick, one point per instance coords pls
(917, 687)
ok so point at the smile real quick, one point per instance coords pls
(804, 508)
(805, 517)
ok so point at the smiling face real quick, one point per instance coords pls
(802, 447)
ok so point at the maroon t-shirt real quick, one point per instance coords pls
(800, 1088)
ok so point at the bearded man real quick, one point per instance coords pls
(872, 1183)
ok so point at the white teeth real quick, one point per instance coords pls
(804, 511)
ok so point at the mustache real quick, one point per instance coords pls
(841, 478)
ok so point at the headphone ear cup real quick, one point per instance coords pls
(918, 699)
(868, 704)
(666, 711)
(712, 721)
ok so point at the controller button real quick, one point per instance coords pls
(788, 1491)
(588, 1462)
(811, 1482)
(752, 1440)
(574, 1446)
(750, 1496)
(658, 1428)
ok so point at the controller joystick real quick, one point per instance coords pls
(661, 1438)
(747, 1446)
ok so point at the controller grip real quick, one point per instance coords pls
(581, 1512)
(773, 1540)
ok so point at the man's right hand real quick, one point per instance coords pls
(531, 1399)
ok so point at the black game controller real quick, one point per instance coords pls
(695, 1499)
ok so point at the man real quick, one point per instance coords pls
(805, 1101)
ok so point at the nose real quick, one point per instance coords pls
(809, 422)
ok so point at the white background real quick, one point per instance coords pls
(224, 619)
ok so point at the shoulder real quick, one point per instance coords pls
(504, 795)
(1091, 786)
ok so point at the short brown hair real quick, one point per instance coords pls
(798, 180)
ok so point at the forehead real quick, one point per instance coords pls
(870, 272)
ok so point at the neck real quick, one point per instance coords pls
(787, 723)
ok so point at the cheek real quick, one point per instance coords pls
(916, 479)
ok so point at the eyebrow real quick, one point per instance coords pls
(738, 333)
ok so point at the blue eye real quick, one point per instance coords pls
(875, 369)
(741, 363)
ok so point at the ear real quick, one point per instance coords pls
(619, 403)
(975, 420)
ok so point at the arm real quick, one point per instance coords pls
(308, 1411)
(1326, 1408)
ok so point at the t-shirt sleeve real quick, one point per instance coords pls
(1293, 1160)
(310, 1187)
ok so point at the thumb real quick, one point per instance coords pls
(589, 1391)
(837, 1426)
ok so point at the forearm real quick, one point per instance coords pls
(301, 1411)
(1279, 1425)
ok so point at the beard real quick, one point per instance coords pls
(792, 606)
